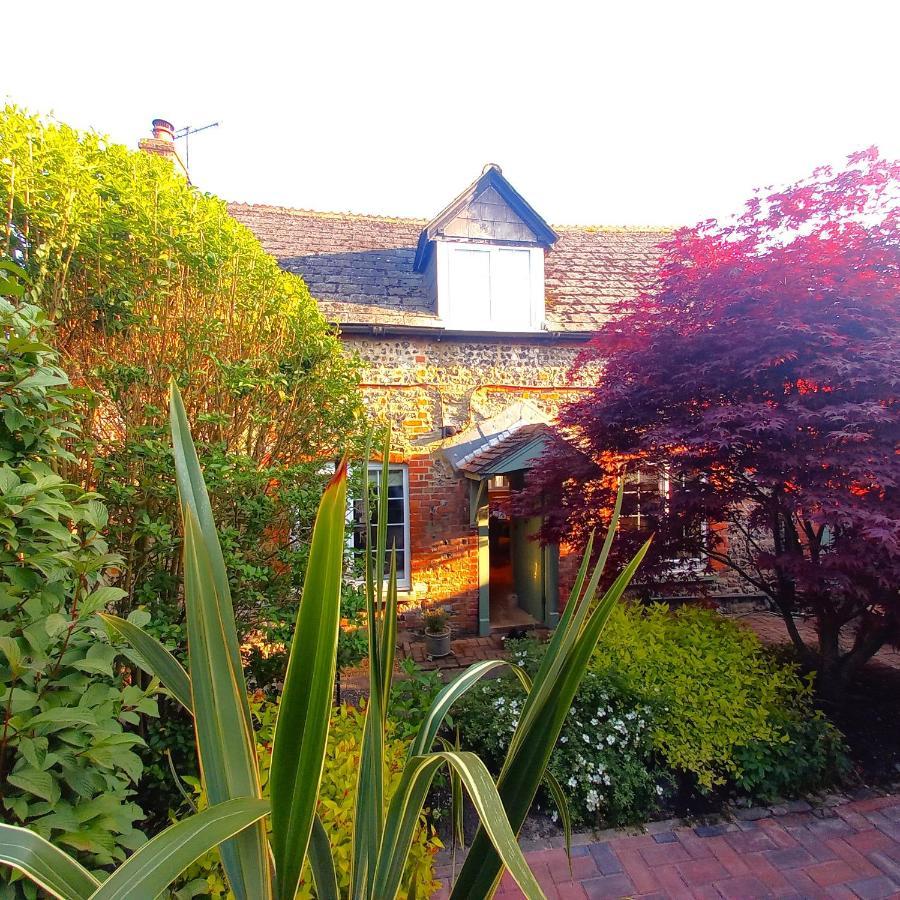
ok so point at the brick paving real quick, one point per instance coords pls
(768, 626)
(464, 652)
(771, 630)
(848, 850)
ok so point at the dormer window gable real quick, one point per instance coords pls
(483, 258)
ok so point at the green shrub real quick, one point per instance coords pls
(670, 697)
(812, 756)
(726, 711)
(337, 797)
(411, 696)
(604, 759)
(67, 757)
(149, 278)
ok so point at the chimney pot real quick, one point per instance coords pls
(163, 130)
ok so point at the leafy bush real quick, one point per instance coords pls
(723, 703)
(149, 279)
(671, 697)
(337, 798)
(67, 759)
(411, 696)
(604, 759)
(811, 756)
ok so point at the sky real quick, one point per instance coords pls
(628, 113)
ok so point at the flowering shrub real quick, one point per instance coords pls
(604, 759)
(684, 699)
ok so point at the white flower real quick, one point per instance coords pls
(594, 721)
(610, 739)
(554, 815)
(659, 790)
(592, 800)
(572, 782)
(563, 739)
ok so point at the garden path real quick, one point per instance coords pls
(848, 850)
(771, 629)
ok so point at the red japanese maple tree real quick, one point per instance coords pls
(760, 370)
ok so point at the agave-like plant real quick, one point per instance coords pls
(263, 868)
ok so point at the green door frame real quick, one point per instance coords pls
(480, 516)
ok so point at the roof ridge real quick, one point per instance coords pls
(328, 214)
(624, 229)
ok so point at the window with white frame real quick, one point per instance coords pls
(397, 520)
(491, 287)
(647, 495)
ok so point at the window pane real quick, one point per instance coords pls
(397, 518)
(511, 300)
(396, 514)
(470, 285)
(395, 537)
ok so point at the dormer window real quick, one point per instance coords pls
(483, 258)
(490, 287)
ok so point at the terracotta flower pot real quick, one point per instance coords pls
(437, 644)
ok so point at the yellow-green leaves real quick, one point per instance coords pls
(302, 728)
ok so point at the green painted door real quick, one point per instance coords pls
(528, 566)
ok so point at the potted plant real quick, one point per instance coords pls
(437, 631)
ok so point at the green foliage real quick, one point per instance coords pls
(435, 619)
(215, 694)
(717, 692)
(683, 697)
(604, 759)
(150, 279)
(337, 796)
(67, 757)
(411, 697)
(267, 646)
(812, 756)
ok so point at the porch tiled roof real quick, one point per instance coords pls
(360, 268)
(483, 460)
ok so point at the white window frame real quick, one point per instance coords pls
(461, 321)
(688, 565)
(404, 576)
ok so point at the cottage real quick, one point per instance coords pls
(468, 325)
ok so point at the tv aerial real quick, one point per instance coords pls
(185, 134)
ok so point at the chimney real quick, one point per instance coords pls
(163, 144)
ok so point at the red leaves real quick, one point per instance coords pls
(767, 344)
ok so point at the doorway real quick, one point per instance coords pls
(516, 578)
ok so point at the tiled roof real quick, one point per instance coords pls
(360, 268)
(486, 458)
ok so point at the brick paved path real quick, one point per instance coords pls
(771, 630)
(852, 850)
(465, 651)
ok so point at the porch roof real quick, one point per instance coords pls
(509, 451)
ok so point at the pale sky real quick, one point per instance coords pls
(605, 113)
